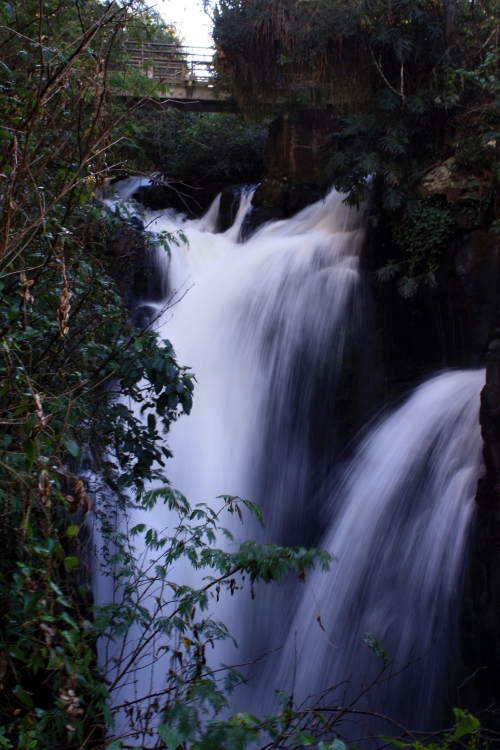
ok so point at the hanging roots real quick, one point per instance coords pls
(79, 500)
(62, 314)
(24, 290)
(42, 420)
(44, 488)
(71, 703)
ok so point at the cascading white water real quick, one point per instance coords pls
(264, 325)
(272, 328)
(400, 535)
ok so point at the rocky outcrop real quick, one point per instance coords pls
(490, 425)
(488, 499)
(454, 183)
(480, 636)
(297, 144)
(135, 268)
(446, 326)
(477, 270)
(296, 148)
(193, 200)
(228, 207)
(278, 199)
(443, 180)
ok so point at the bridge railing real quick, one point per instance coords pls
(172, 63)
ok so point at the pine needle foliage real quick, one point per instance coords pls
(198, 148)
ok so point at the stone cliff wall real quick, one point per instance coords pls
(481, 615)
(296, 149)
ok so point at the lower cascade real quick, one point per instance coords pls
(398, 522)
(276, 330)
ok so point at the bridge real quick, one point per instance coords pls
(188, 72)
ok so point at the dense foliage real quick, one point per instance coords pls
(86, 399)
(415, 83)
(193, 148)
(288, 51)
(65, 335)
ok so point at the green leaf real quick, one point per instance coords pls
(392, 741)
(72, 530)
(374, 644)
(69, 619)
(29, 449)
(170, 736)
(407, 286)
(55, 662)
(71, 562)
(31, 599)
(23, 696)
(242, 720)
(73, 448)
(116, 745)
(387, 271)
(305, 739)
(4, 742)
(467, 725)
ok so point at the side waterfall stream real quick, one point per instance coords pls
(276, 330)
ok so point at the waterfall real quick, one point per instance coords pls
(276, 331)
(399, 524)
(265, 326)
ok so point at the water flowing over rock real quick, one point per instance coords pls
(399, 523)
(277, 331)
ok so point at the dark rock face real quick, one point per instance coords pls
(133, 264)
(191, 200)
(296, 150)
(477, 270)
(296, 144)
(488, 497)
(481, 612)
(228, 207)
(490, 421)
(446, 326)
(456, 325)
(277, 199)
